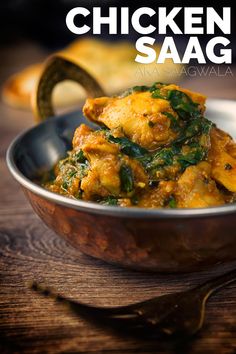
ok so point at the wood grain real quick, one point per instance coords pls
(29, 251)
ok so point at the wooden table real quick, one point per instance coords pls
(29, 251)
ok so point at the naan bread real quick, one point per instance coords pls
(111, 63)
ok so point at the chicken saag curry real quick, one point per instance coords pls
(154, 149)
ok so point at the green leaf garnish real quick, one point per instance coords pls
(110, 200)
(193, 158)
(127, 179)
(157, 94)
(172, 202)
(183, 104)
(174, 122)
(80, 156)
(128, 147)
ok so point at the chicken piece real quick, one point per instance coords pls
(231, 148)
(222, 156)
(139, 116)
(158, 197)
(80, 135)
(103, 178)
(103, 175)
(196, 189)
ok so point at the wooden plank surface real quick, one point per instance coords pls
(29, 251)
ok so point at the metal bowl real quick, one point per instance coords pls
(176, 240)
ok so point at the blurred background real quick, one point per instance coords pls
(32, 29)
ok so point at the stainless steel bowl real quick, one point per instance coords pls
(176, 240)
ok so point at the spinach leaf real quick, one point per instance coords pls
(143, 88)
(156, 85)
(193, 128)
(172, 202)
(110, 200)
(127, 179)
(157, 94)
(134, 89)
(128, 147)
(193, 158)
(80, 156)
(74, 166)
(72, 173)
(206, 125)
(64, 185)
(174, 122)
(155, 90)
(163, 157)
(183, 104)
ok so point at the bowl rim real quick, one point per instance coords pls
(96, 208)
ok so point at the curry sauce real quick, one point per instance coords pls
(153, 148)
